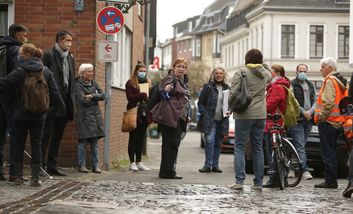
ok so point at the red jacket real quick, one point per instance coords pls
(276, 99)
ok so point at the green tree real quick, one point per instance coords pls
(198, 74)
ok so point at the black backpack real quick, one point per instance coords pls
(35, 92)
(3, 68)
(155, 96)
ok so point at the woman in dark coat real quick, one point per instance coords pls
(215, 122)
(89, 117)
(29, 61)
(136, 97)
(171, 113)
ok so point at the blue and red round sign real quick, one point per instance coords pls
(110, 20)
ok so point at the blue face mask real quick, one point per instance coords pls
(141, 75)
(302, 76)
(20, 59)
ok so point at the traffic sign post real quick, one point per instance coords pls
(110, 20)
(107, 51)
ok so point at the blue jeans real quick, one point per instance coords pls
(82, 151)
(328, 141)
(245, 129)
(300, 133)
(213, 144)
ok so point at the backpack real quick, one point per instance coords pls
(35, 92)
(155, 96)
(3, 69)
(290, 117)
(240, 101)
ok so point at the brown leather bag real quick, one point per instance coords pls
(129, 120)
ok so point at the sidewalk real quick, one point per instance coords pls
(190, 159)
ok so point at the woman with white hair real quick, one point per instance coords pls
(89, 119)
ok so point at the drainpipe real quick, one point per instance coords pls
(271, 41)
(147, 61)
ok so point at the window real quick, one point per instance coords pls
(343, 42)
(122, 68)
(287, 41)
(3, 19)
(316, 41)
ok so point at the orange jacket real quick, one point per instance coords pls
(334, 116)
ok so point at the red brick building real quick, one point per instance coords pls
(45, 18)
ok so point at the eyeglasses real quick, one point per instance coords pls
(181, 66)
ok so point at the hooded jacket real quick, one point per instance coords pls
(276, 98)
(15, 80)
(257, 77)
(12, 48)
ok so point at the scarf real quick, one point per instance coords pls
(66, 67)
(33, 64)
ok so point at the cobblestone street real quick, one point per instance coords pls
(123, 191)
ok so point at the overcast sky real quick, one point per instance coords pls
(170, 12)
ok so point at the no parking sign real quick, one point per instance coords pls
(110, 20)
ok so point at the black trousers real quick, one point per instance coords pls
(53, 132)
(170, 146)
(136, 139)
(35, 129)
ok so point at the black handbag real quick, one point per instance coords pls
(243, 97)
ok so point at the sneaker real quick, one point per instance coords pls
(205, 169)
(97, 170)
(256, 187)
(236, 186)
(35, 183)
(291, 174)
(307, 175)
(83, 169)
(142, 167)
(133, 167)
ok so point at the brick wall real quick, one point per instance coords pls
(44, 19)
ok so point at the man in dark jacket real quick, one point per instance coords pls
(18, 34)
(305, 93)
(61, 62)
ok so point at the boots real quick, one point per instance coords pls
(35, 182)
(19, 174)
(2, 176)
(349, 190)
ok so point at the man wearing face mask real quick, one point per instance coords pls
(18, 34)
(61, 62)
(305, 93)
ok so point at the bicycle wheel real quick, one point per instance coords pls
(279, 166)
(292, 163)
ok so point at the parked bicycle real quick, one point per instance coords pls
(284, 158)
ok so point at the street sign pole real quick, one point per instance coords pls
(108, 71)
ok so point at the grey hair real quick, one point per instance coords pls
(329, 61)
(84, 67)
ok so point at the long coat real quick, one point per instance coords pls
(89, 119)
(207, 107)
(53, 60)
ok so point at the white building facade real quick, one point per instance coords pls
(290, 35)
